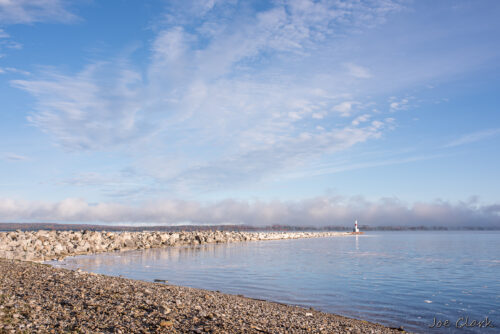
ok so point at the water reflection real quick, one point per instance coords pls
(153, 255)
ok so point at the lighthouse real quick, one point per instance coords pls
(355, 230)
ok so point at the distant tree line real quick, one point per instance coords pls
(177, 228)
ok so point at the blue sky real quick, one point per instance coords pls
(304, 112)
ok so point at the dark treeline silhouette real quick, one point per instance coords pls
(175, 228)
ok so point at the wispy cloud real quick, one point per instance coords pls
(345, 108)
(13, 70)
(30, 11)
(233, 93)
(473, 137)
(324, 169)
(207, 100)
(14, 157)
(395, 104)
(318, 211)
(7, 43)
(358, 71)
(91, 179)
(97, 108)
(267, 160)
(361, 119)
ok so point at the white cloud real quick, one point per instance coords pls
(229, 108)
(14, 70)
(333, 168)
(361, 119)
(358, 71)
(318, 211)
(7, 43)
(124, 184)
(30, 11)
(285, 154)
(473, 137)
(91, 179)
(345, 108)
(398, 105)
(14, 157)
(97, 108)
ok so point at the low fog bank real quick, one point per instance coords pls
(314, 212)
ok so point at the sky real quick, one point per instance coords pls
(293, 112)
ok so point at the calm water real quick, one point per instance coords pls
(394, 278)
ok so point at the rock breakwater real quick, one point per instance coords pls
(50, 245)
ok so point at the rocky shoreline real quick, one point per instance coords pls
(43, 245)
(38, 298)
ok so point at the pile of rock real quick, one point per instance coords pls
(50, 245)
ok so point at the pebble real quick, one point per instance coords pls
(166, 323)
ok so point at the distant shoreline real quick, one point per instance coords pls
(34, 226)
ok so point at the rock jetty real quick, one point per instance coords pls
(38, 298)
(45, 245)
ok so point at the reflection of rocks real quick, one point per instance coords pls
(49, 245)
(37, 298)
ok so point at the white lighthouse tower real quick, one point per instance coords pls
(356, 229)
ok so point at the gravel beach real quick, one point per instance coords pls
(40, 298)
